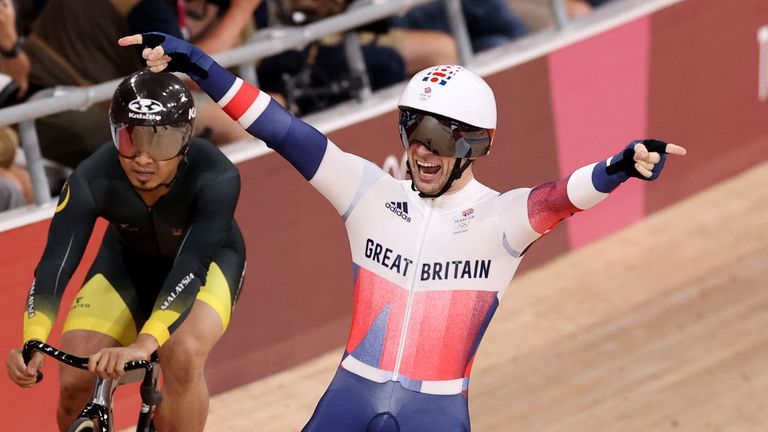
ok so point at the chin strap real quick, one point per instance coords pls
(456, 173)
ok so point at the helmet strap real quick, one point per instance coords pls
(456, 172)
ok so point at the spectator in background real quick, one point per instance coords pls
(320, 71)
(318, 75)
(15, 183)
(13, 61)
(67, 47)
(538, 14)
(490, 23)
(71, 44)
(10, 195)
(219, 25)
(577, 8)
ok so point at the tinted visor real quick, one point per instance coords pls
(159, 142)
(444, 136)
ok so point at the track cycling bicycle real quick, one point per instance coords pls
(97, 414)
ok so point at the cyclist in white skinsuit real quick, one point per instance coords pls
(431, 256)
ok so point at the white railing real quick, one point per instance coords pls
(516, 53)
(264, 43)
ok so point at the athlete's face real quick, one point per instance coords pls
(430, 172)
(146, 173)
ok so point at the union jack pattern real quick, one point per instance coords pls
(442, 74)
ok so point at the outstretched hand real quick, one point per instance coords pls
(646, 159)
(165, 52)
(156, 58)
(643, 159)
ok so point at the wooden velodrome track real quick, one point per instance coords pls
(660, 327)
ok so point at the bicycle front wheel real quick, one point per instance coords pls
(83, 425)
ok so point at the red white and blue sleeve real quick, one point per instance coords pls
(527, 214)
(308, 150)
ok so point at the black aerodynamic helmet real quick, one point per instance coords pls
(152, 112)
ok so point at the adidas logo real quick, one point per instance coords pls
(399, 208)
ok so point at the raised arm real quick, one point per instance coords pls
(299, 143)
(308, 150)
(531, 213)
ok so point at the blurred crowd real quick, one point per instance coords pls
(55, 44)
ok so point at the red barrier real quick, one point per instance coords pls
(33, 409)
(704, 84)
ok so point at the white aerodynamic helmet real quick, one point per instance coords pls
(450, 110)
(452, 91)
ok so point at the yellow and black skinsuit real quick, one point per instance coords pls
(154, 261)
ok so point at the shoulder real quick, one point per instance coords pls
(207, 162)
(102, 163)
(518, 193)
(205, 154)
(484, 190)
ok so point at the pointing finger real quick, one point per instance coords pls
(676, 149)
(135, 39)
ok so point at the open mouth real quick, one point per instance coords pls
(143, 176)
(427, 169)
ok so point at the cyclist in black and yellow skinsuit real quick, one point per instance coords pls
(171, 262)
